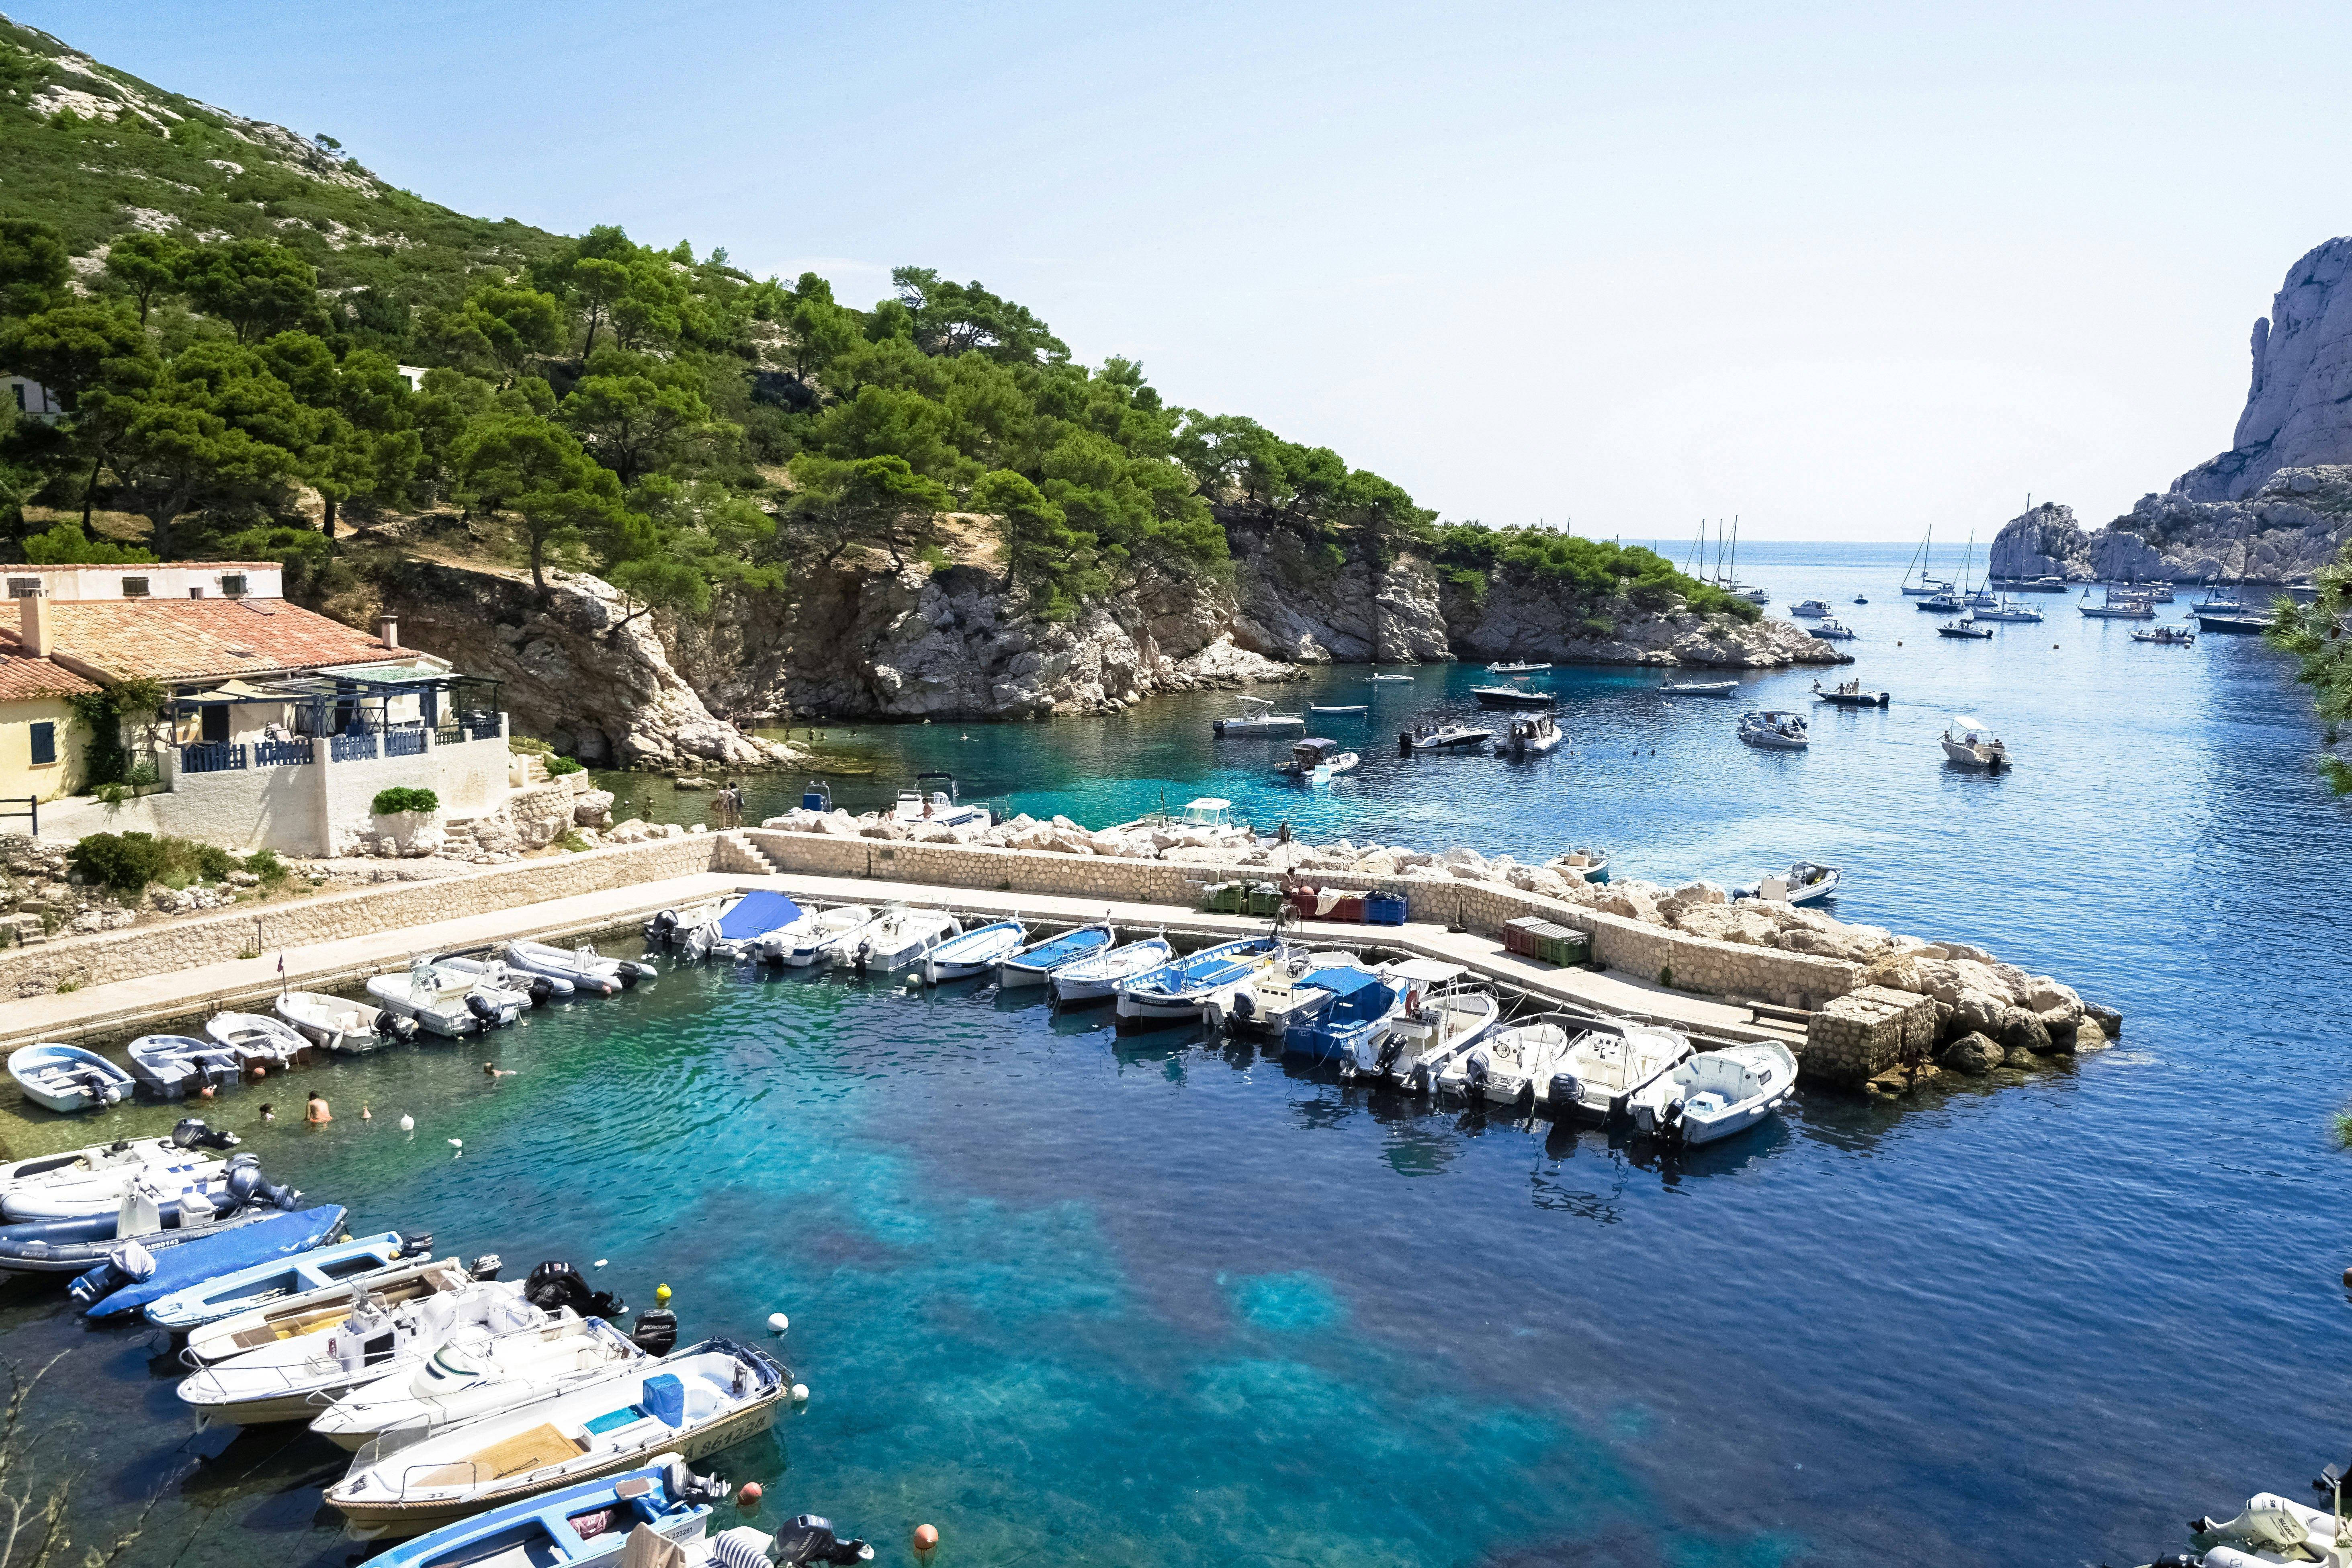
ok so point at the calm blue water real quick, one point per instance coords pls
(1074, 1298)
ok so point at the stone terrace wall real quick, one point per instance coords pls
(1646, 952)
(294, 921)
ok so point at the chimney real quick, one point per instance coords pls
(36, 632)
(387, 629)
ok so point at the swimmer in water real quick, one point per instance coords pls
(315, 1112)
(494, 1072)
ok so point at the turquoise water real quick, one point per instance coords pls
(1077, 1298)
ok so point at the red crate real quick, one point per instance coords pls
(1518, 935)
(1350, 907)
(1303, 901)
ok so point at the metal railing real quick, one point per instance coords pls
(212, 757)
(354, 748)
(450, 735)
(32, 804)
(280, 753)
(403, 743)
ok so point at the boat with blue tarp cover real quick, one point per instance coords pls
(1035, 964)
(111, 1287)
(1360, 999)
(237, 1290)
(1189, 987)
(737, 933)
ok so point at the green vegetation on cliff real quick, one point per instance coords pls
(233, 318)
(2317, 635)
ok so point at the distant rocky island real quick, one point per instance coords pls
(2276, 506)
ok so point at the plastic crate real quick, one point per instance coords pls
(1350, 907)
(1518, 935)
(1224, 897)
(1304, 902)
(1265, 898)
(1559, 944)
(1385, 908)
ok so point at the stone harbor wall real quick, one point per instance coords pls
(1868, 1031)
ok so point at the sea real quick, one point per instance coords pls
(1071, 1297)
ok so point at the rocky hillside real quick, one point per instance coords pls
(2276, 506)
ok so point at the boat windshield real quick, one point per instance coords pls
(1208, 812)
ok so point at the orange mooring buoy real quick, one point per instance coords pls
(926, 1538)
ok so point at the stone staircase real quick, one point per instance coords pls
(457, 838)
(737, 853)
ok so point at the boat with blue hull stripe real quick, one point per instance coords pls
(1186, 988)
(1035, 964)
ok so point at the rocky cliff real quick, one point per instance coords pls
(2276, 506)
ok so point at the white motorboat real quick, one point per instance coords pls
(1258, 718)
(1297, 987)
(340, 1023)
(2272, 1529)
(1037, 963)
(1804, 882)
(1699, 688)
(701, 1399)
(1966, 628)
(579, 965)
(2002, 610)
(1199, 986)
(1449, 736)
(1318, 761)
(66, 1079)
(444, 1000)
(1097, 978)
(900, 937)
(815, 937)
(1509, 1065)
(1520, 668)
(974, 952)
(1530, 737)
(99, 1192)
(498, 974)
(1439, 1019)
(1810, 609)
(114, 1165)
(1774, 729)
(1830, 629)
(258, 1038)
(742, 932)
(939, 807)
(315, 1311)
(2174, 636)
(2126, 605)
(1850, 694)
(172, 1064)
(1519, 694)
(1596, 1077)
(1392, 676)
(292, 1379)
(466, 1379)
(1974, 745)
(1717, 1093)
(1590, 864)
(1343, 710)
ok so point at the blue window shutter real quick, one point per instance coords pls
(44, 743)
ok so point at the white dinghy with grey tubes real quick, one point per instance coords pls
(444, 1000)
(340, 1023)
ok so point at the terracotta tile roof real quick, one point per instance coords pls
(23, 680)
(194, 639)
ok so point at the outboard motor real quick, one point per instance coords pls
(688, 1486)
(554, 1285)
(1474, 1071)
(485, 1267)
(393, 1027)
(190, 1132)
(1566, 1090)
(657, 1331)
(1404, 742)
(482, 1007)
(662, 930)
(415, 1244)
(809, 1538)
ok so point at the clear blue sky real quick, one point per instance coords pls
(1842, 269)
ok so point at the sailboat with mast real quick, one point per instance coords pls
(2226, 610)
(1926, 587)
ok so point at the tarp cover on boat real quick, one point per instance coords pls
(1342, 982)
(757, 915)
(1964, 722)
(191, 1262)
(1426, 971)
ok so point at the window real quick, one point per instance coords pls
(134, 587)
(24, 588)
(44, 743)
(233, 585)
(195, 593)
(18, 388)
(216, 721)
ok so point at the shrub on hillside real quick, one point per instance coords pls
(125, 862)
(559, 766)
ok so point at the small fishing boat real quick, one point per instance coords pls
(2127, 605)
(1039, 962)
(1699, 688)
(744, 928)
(2002, 610)
(1509, 1065)
(136, 1273)
(1803, 883)
(1597, 1074)
(1810, 609)
(172, 1064)
(1830, 629)
(1530, 738)
(1590, 864)
(1517, 695)
(1315, 761)
(940, 808)
(1258, 718)
(1190, 987)
(241, 1290)
(468, 1378)
(1862, 599)
(1849, 694)
(2172, 637)
(975, 952)
(1354, 1002)
(1298, 988)
(1342, 708)
(1975, 745)
(1392, 676)
(294, 1379)
(66, 1079)
(1450, 736)
(1098, 977)
(694, 1403)
(445, 1000)
(815, 936)
(1438, 1020)
(340, 1023)
(1966, 627)
(316, 1311)
(1716, 1093)
(595, 1523)
(1522, 668)
(31, 1188)
(1774, 729)
(899, 937)
(261, 1038)
(577, 964)
(1947, 603)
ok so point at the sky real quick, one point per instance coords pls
(1844, 272)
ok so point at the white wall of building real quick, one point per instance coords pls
(319, 807)
(174, 580)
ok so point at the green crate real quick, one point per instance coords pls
(1559, 944)
(1265, 898)
(1224, 897)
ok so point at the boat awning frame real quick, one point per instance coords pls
(1428, 971)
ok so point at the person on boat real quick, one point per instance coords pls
(316, 1111)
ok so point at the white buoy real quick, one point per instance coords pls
(459, 1145)
(800, 1394)
(408, 1124)
(600, 1263)
(778, 1322)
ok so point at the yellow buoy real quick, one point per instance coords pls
(661, 1292)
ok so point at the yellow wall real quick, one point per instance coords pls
(18, 776)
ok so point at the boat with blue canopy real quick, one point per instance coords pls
(1360, 1000)
(241, 1289)
(1035, 964)
(1190, 986)
(737, 933)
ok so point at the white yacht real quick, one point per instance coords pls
(1810, 609)
(1450, 736)
(1258, 718)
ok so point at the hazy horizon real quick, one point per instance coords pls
(1842, 274)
